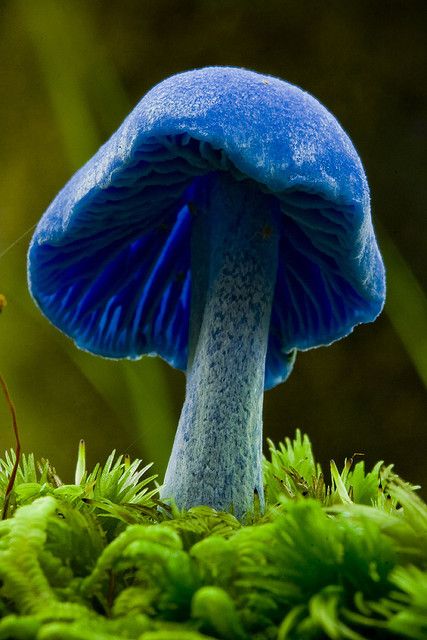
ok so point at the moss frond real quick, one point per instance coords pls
(102, 558)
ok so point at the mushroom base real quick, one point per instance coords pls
(217, 454)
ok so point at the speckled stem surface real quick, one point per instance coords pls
(216, 457)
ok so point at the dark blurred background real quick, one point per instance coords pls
(70, 70)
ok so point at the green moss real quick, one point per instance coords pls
(103, 559)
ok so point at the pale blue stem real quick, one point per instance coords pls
(217, 453)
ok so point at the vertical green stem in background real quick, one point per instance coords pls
(51, 29)
(12, 477)
(406, 305)
(67, 49)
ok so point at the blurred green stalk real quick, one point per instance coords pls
(406, 305)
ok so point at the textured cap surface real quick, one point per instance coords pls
(109, 263)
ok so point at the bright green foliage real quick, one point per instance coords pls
(103, 559)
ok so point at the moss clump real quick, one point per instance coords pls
(102, 559)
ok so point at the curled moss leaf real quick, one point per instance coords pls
(217, 613)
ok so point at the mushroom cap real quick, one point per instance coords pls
(109, 263)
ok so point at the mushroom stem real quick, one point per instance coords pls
(217, 454)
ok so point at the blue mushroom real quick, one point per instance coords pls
(223, 227)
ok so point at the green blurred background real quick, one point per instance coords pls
(70, 70)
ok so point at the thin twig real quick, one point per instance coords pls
(15, 242)
(11, 482)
